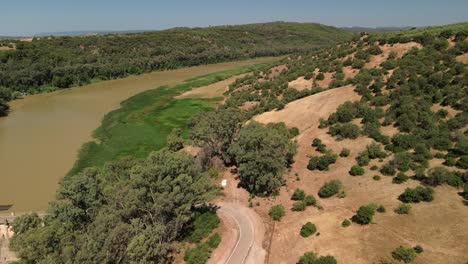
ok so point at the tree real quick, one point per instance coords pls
(298, 195)
(312, 258)
(277, 212)
(26, 222)
(330, 188)
(346, 223)
(262, 154)
(405, 254)
(416, 195)
(364, 214)
(308, 229)
(322, 162)
(175, 142)
(310, 200)
(345, 152)
(216, 130)
(403, 209)
(356, 170)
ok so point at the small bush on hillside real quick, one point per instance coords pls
(322, 162)
(346, 223)
(316, 142)
(374, 167)
(320, 76)
(381, 209)
(299, 206)
(298, 195)
(365, 214)
(400, 178)
(312, 258)
(308, 229)
(405, 254)
(462, 162)
(375, 50)
(418, 249)
(363, 159)
(357, 64)
(440, 175)
(277, 212)
(356, 170)
(403, 209)
(388, 170)
(310, 200)
(330, 188)
(348, 130)
(376, 178)
(345, 152)
(465, 192)
(416, 195)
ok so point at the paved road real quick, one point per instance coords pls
(246, 229)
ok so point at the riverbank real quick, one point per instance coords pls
(41, 137)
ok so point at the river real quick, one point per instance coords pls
(40, 139)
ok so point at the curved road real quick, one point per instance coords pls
(245, 249)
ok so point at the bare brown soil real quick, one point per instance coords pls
(300, 84)
(400, 49)
(439, 227)
(462, 58)
(326, 81)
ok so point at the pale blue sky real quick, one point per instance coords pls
(26, 17)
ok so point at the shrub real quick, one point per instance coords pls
(346, 223)
(308, 229)
(330, 188)
(294, 131)
(203, 225)
(376, 178)
(277, 212)
(320, 76)
(440, 175)
(374, 167)
(322, 162)
(345, 152)
(311, 258)
(375, 50)
(316, 142)
(465, 192)
(298, 195)
(462, 162)
(357, 64)
(356, 170)
(310, 200)
(416, 195)
(388, 170)
(364, 214)
(348, 130)
(363, 159)
(405, 254)
(381, 209)
(400, 178)
(403, 209)
(299, 206)
(418, 249)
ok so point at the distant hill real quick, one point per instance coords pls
(88, 33)
(71, 61)
(374, 29)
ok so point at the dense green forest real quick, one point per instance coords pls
(59, 62)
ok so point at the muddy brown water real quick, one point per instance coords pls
(40, 139)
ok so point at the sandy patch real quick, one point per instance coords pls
(248, 105)
(300, 84)
(462, 58)
(326, 81)
(400, 49)
(210, 91)
(349, 72)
